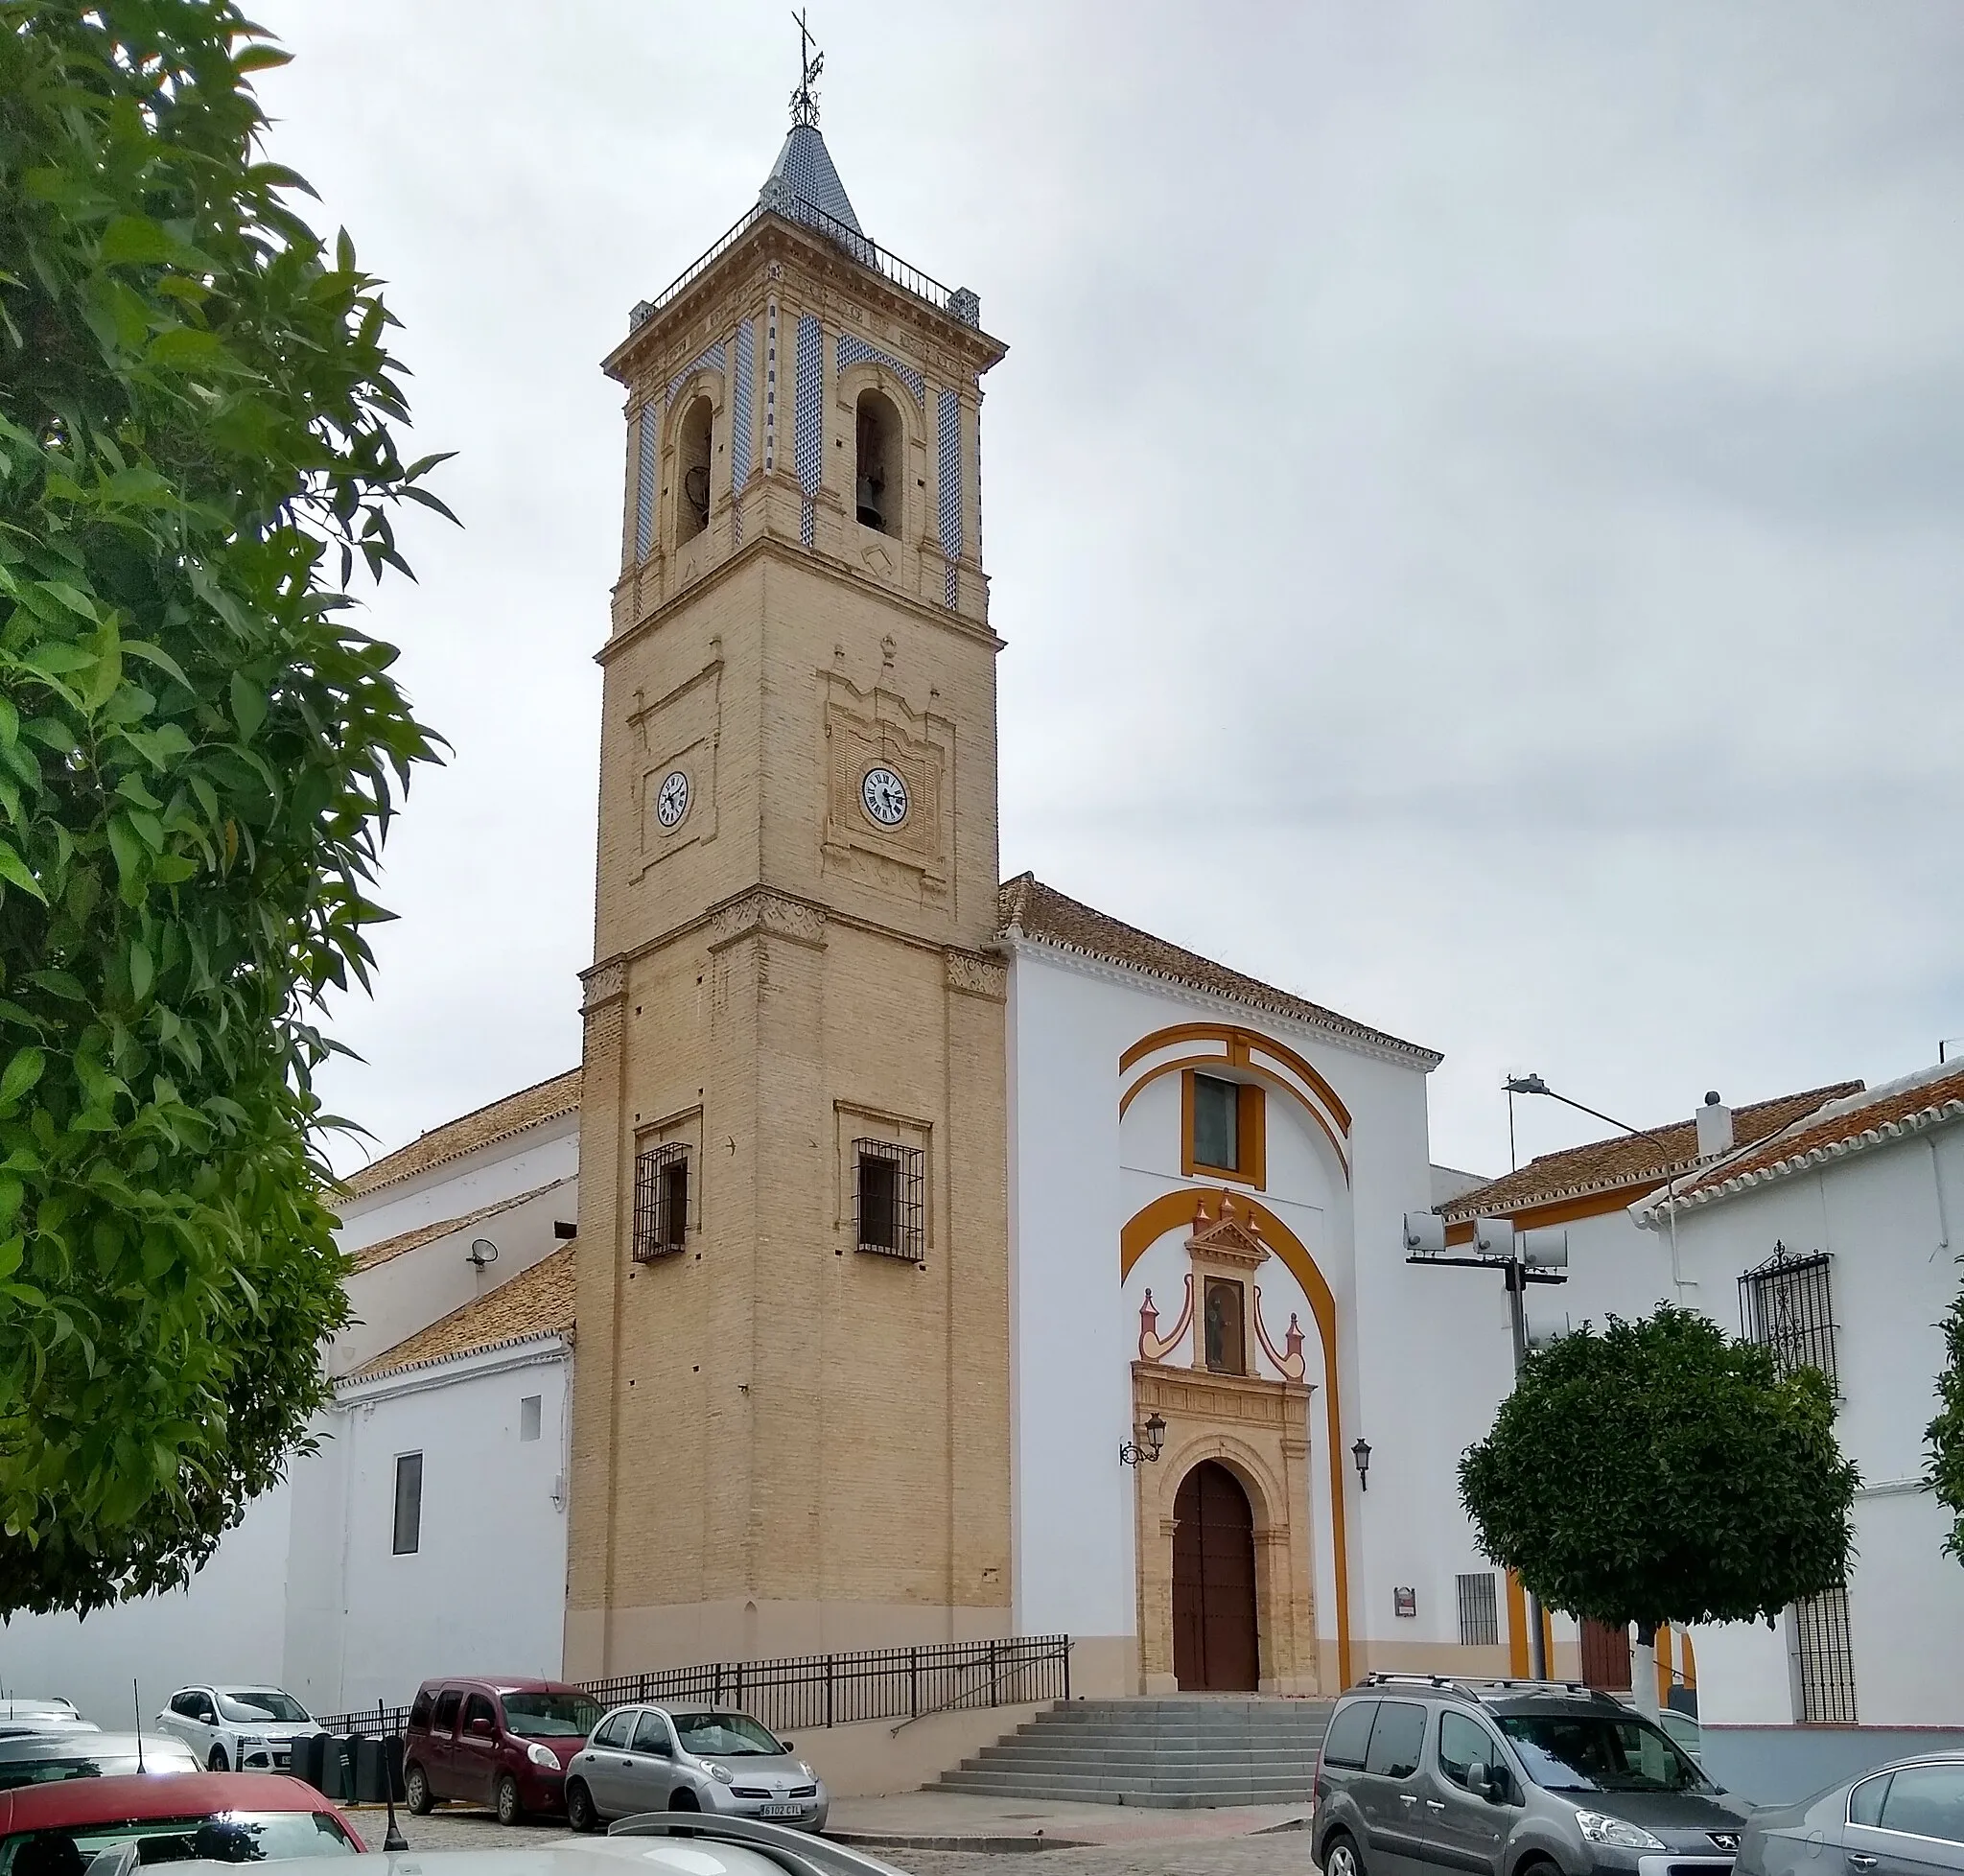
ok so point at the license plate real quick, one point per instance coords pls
(779, 1810)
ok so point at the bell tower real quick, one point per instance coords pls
(792, 1410)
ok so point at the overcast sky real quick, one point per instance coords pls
(1473, 498)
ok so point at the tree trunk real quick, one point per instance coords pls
(1644, 1670)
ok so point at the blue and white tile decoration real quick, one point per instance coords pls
(713, 358)
(854, 350)
(743, 400)
(948, 469)
(807, 427)
(648, 457)
(770, 388)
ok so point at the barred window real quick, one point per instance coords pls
(1479, 1611)
(1786, 1305)
(660, 1201)
(888, 1202)
(1824, 1660)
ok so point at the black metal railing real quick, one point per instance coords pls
(957, 302)
(803, 1691)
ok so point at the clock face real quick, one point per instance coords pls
(671, 803)
(884, 797)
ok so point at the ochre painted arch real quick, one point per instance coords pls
(1174, 1210)
(1239, 1043)
(1254, 1069)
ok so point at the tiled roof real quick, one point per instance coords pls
(535, 1302)
(544, 1100)
(1933, 1098)
(381, 1251)
(1630, 1158)
(1027, 908)
(805, 166)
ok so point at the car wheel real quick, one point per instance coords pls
(682, 1799)
(1341, 1857)
(579, 1807)
(510, 1809)
(217, 1762)
(416, 1792)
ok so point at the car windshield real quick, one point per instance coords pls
(1597, 1752)
(724, 1736)
(223, 1836)
(551, 1715)
(15, 1773)
(262, 1705)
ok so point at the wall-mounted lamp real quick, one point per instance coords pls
(1155, 1433)
(1361, 1453)
(482, 1251)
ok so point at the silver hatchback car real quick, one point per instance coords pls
(655, 1758)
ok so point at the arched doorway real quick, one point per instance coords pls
(1214, 1644)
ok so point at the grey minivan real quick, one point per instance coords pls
(1420, 1774)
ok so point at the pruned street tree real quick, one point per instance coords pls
(1946, 1433)
(198, 757)
(1659, 1472)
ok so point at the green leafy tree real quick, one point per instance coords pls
(1946, 1431)
(1660, 1471)
(199, 756)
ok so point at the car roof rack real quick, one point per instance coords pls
(1480, 1686)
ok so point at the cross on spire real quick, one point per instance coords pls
(804, 105)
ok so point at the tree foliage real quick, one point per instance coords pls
(198, 757)
(1660, 1471)
(1946, 1432)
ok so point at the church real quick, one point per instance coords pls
(914, 1255)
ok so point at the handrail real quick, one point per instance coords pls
(958, 303)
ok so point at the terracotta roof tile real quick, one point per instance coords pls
(485, 1126)
(535, 1302)
(1933, 1098)
(384, 1248)
(1630, 1158)
(1027, 907)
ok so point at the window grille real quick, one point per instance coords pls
(660, 1201)
(1786, 1305)
(889, 1199)
(1825, 1659)
(1479, 1611)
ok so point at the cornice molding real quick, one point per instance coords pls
(1132, 977)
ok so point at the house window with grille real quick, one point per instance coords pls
(1786, 1306)
(888, 1199)
(660, 1201)
(1823, 1660)
(1479, 1610)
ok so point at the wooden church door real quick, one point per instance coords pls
(1214, 1637)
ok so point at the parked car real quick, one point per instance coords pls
(502, 1743)
(46, 1713)
(643, 1847)
(49, 1758)
(1683, 1728)
(656, 1758)
(54, 1830)
(237, 1728)
(1420, 1774)
(1902, 1819)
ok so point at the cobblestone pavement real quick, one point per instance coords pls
(1280, 1853)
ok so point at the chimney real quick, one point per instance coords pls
(1715, 1127)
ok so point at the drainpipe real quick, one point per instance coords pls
(1937, 1179)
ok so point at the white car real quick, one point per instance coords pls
(237, 1728)
(23, 1714)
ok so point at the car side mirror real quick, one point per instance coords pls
(787, 1745)
(1488, 1782)
(479, 1727)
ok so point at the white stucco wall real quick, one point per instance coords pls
(502, 1170)
(1894, 1273)
(485, 1592)
(227, 1625)
(392, 1299)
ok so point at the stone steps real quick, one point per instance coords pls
(1157, 1753)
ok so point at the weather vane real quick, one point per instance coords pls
(804, 105)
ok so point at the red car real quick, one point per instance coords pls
(225, 1817)
(504, 1743)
